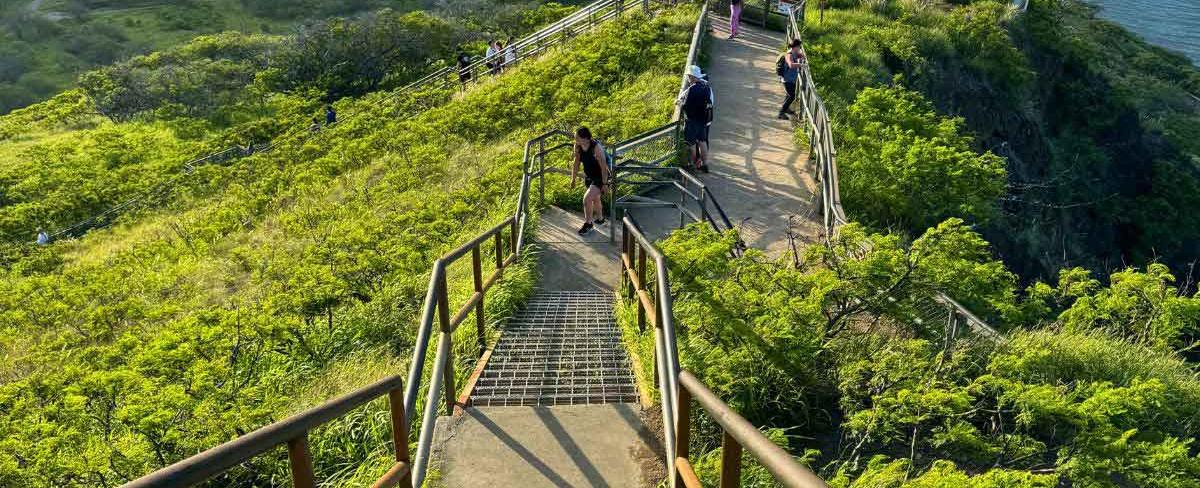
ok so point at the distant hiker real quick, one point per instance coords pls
(788, 68)
(42, 237)
(590, 155)
(697, 99)
(464, 62)
(735, 17)
(510, 55)
(316, 125)
(330, 115)
(493, 61)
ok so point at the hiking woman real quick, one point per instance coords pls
(590, 155)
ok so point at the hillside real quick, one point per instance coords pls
(289, 276)
(131, 126)
(46, 44)
(1097, 127)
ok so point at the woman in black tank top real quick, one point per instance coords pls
(590, 155)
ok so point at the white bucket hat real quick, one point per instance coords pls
(695, 72)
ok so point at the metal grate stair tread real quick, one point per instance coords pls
(561, 348)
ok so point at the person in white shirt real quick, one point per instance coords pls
(493, 62)
(510, 54)
(42, 237)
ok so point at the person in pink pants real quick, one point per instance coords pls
(735, 17)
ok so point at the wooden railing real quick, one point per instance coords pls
(294, 433)
(678, 388)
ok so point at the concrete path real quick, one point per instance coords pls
(562, 446)
(759, 175)
(570, 262)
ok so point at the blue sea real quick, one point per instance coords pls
(1173, 24)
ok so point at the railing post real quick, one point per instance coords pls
(513, 241)
(300, 459)
(480, 322)
(731, 462)
(400, 432)
(500, 249)
(542, 172)
(448, 333)
(641, 311)
(683, 428)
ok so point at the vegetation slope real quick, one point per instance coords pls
(294, 274)
(1095, 383)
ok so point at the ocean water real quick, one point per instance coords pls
(1173, 24)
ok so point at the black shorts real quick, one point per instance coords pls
(695, 131)
(589, 182)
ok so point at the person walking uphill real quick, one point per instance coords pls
(590, 155)
(697, 99)
(788, 68)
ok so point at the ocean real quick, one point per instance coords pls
(1173, 24)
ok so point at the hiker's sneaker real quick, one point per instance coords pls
(600, 221)
(704, 169)
(587, 227)
(783, 117)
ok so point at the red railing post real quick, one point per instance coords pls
(300, 459)
(731, 462)
(480, 320)
(399, 432)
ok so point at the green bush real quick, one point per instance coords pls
(901, 163)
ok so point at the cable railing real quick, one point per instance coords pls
(293, 432)
(933, 309)
(563, 30)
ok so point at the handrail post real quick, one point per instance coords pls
(641, 311)
(448, 334)
(683, 431)
(500, 250)
(400, 432)
(300, 460)
(513, 241)
(731, 462)
(480, 320)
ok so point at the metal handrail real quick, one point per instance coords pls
(678, 386)
(292, 431)
(437, 304)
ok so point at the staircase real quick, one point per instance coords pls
(562, 348)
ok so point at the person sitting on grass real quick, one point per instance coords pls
(590, 155)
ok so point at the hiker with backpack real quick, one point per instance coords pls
(697, 100)
(464, 67)
(590, 154)
(788, 67)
